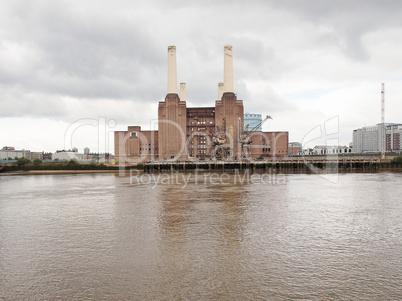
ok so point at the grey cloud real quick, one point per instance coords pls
(15, 103)
(349, 20)
(90, 51)
(83, 55)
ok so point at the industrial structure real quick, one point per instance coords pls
(191, 133)
(251, 121)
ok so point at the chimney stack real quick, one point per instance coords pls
(228, 69)
(382, 103)
(220, 90)
(182, 91)
(383, 133)
(172, 70)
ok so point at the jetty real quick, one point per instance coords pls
(302, 166)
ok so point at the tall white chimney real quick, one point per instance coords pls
(382, 103)
(220, 90)
(182, 91)
(228, 69)
(383, 134)
(172, 70)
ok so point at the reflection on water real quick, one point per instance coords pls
(97, 237)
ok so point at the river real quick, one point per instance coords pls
(201, 237)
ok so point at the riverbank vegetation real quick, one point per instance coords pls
(397, 159)
(24, 164)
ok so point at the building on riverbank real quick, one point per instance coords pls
(331, 150)
(9, 152)
(192, 132)
(295, 149)
(63, 155)
(378, 138)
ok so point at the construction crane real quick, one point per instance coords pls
(246, 138)
(219, 139)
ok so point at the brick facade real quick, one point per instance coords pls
(192, 133)
(186, 133)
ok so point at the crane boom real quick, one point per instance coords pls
(261, 123)
(245, 138)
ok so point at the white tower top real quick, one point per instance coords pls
(228, 69)
(382, 103)
(172, 70)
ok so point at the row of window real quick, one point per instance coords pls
(197, 146)
(201, 122)
(197, 115)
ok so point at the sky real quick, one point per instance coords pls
(72, 72)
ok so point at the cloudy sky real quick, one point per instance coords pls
(64, 65)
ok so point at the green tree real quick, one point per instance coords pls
(73, 162)
(23, 161)
(37, 161)
(397, 159)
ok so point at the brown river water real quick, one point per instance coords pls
(201, 237)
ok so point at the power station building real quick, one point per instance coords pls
(186, 133)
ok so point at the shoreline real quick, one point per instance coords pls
(48, 172)
(127, 171)
(70, 171)
(299, 167)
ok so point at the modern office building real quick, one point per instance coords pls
(393, 137)
(378, 138)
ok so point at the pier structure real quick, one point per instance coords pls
(289, 166)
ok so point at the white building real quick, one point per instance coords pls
(10, 152)
(330, 150)
(377, 139)
(69, 155)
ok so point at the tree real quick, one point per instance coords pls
(73, 162)
(397, 159)
(37, 161)
(23, 161)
